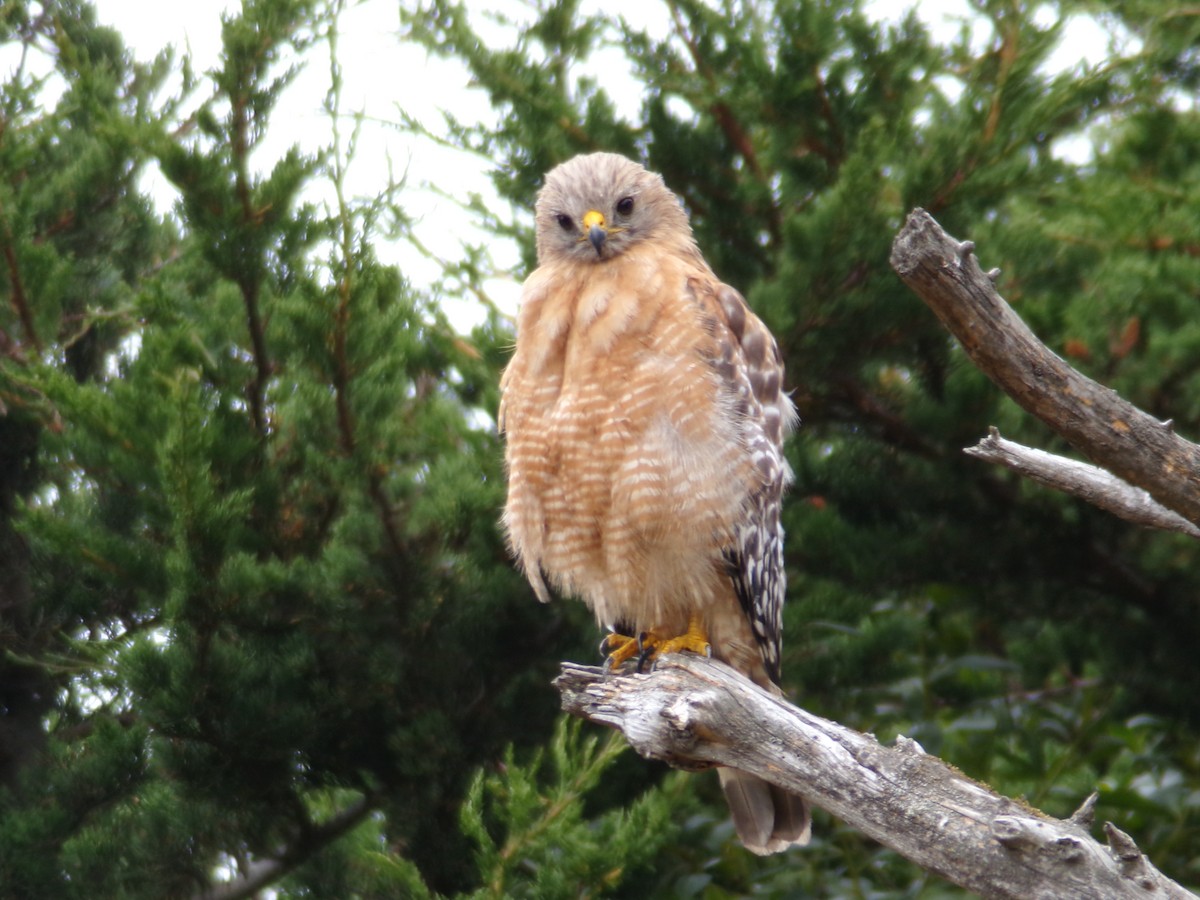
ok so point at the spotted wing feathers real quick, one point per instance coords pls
(752, 368)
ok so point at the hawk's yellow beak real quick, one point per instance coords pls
(593, 224)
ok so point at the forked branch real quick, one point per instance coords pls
(1115, 434)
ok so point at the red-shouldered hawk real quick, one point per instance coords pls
(644, 418)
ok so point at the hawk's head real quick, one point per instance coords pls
(596, 206)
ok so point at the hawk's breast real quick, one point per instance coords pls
(627, 465)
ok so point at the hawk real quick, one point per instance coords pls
(644, 418)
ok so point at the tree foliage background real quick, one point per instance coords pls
(258, 626)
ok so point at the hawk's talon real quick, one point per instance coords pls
(646, 655)
(619, 649)
(605, 643)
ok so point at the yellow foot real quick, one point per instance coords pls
(649, 645)
(694, 640)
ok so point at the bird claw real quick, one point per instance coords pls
(648, 652)
(618, 648)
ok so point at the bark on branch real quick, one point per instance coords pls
(694, 712)
(1090, 483)
(1116, 435)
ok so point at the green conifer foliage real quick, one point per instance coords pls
(258, 625)
(72, 234)
(258, 596)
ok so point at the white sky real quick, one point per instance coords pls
(381, 74)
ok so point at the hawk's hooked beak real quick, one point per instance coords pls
(593, 224)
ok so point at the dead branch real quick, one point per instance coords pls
(1113, 433)
(692, 712)
(1087, 482)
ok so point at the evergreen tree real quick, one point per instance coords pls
(254, 592)
(1035, 642)
(259, 626)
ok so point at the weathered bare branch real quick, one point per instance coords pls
(1113, 433)
(1087, 482)
(693, 712)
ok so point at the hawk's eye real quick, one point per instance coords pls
(625, 206)
(564, 222)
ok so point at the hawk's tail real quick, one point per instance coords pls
(768, 819)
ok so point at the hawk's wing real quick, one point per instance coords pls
(752, 368)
